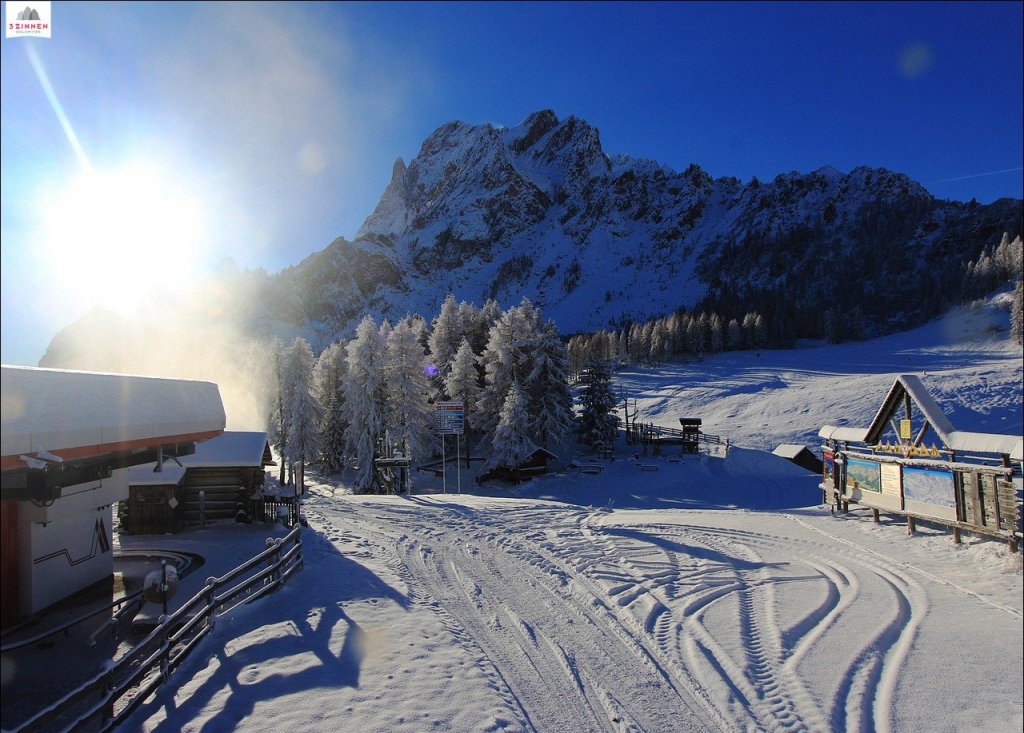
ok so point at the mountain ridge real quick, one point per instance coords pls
(539, 210)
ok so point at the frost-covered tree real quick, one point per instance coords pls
(409, 415)
(659, 343)
(506, 360)
(303, 410)
(365, 399)
(328, 380)
(599, 421)
(715, 335)
(463, 384)
(280, 417)
(511, 443)
(446, 334)
(734, 336)
(548, 396)
(1017, 313)
(695, 338)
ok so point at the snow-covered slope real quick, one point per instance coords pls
(762, 399)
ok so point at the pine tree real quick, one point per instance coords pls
(365, 399)
(715, 336)
(511, 444)
(548, 396)
(734, 336)
(598, 420)
(1017, 313)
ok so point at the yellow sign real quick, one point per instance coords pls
(905, 429)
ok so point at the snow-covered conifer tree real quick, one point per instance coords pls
(409, 413)
(734, 336)
(328, 381)
(506, 360)
(365, 401)
(280, 417)
(303, 410)
(715, 335)
(548, 396)
(446, 335)
(511, 443)
(598, 419)
(1017, 313)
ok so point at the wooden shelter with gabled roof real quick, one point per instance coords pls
(911, 460)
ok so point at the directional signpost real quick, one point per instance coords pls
(450, 418)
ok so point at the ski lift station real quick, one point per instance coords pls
(913, 462)
(68, 439)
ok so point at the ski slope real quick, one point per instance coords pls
(698, 595)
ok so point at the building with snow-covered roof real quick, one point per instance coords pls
(223, 476)
(801, 455)
(67, 439)
(911, 460)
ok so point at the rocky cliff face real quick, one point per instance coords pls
(541, 210)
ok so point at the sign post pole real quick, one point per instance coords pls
(450, 420)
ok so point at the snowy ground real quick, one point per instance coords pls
(704, 595)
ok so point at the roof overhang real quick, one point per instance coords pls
(61, 428)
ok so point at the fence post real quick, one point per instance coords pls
(211, 611)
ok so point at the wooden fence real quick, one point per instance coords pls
(107, 699)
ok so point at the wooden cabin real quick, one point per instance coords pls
(801, 455)
(536, 463)
(912, 461)
(223, 477)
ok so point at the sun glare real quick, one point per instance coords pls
(117, 237)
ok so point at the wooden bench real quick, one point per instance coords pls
(591, 468)
(647, 467)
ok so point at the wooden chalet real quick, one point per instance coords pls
(536, 463)
(912, 461)
(224, 476)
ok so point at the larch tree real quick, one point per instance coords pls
(463, 384)
(328, 388)
(365, 400)
(409, 414)
(303, 410)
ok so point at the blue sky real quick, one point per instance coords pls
(274, 126)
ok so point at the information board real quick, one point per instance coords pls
(450, 417)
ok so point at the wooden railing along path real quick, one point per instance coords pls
(107, 699)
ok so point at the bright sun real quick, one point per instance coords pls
(117, 237)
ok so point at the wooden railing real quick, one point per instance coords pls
(108, 698)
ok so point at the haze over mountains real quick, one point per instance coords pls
(540, 210)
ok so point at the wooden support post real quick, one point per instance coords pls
(1013, 543)
(846, 507)
(956, 536)
(874, 516)
(910, 525)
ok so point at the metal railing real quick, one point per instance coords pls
(109, 697)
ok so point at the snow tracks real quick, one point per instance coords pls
(593, 621)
